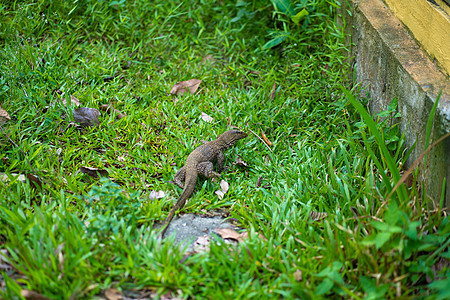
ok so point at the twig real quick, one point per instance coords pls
(261, 140)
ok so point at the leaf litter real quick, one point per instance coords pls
(110, 109)
(189, 85)
(207, 118)
(94, 172)
(4, 116)
(224, 187)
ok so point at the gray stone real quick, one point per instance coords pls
(188, 228)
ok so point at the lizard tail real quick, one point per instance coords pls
(189, 185)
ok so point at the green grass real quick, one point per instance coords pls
(78, 235)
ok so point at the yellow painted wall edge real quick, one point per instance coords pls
(429, 22)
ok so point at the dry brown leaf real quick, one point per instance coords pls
(86, 116)
(34, 180)
(171, 296)
(4, 116)
(228, 233)
(156, 195)
(258, 183)
(269, 143)
(5, 160)
(4, 261)
(208, 57)
(207, 118)
(273, 94)
(224, 186)
(60, 255)
(94, 172)
(31, 295)
(109, 108)
(202, 244)
(189, 85)
(220, 194)
(240, 162)
(75, 102)
(113, 294)
(298, 275)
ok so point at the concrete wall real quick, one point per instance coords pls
(429, 23)
(388, 63)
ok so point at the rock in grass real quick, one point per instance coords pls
(86, 116)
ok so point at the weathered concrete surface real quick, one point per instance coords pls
(388, 63)
(188, 228)
(429, 23)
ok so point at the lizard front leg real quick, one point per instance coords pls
(207, 169)
(220, 161)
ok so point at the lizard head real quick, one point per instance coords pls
(230, 137)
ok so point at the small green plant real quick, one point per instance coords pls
(296, 17)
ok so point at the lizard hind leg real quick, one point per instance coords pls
(180, 177)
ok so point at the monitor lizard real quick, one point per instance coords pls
(200, 161)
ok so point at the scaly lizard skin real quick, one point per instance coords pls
(200, 161)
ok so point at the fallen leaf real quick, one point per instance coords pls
(240, 162)
(5, 160)
(245, 235)
(298, 275)
(4, 116)
(60, 255)
(4, 177)
(317, 216)
(113, 294)
(75, 102)
(253, 72)
(273, 94)
(208, 57)
(34, 180)
(202, 244)
(219, 194)
(224, 187)
(109, 108)
(156, 195)
(94, 172)
(258, 183)
(86, 116)
(31, 295)
(269, 143)
(181, 87)
(171, 296)
(207, 118)
(4, 262)
(228, 233)
(109, 78)
(186, 255)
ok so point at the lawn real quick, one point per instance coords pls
(94, 126)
